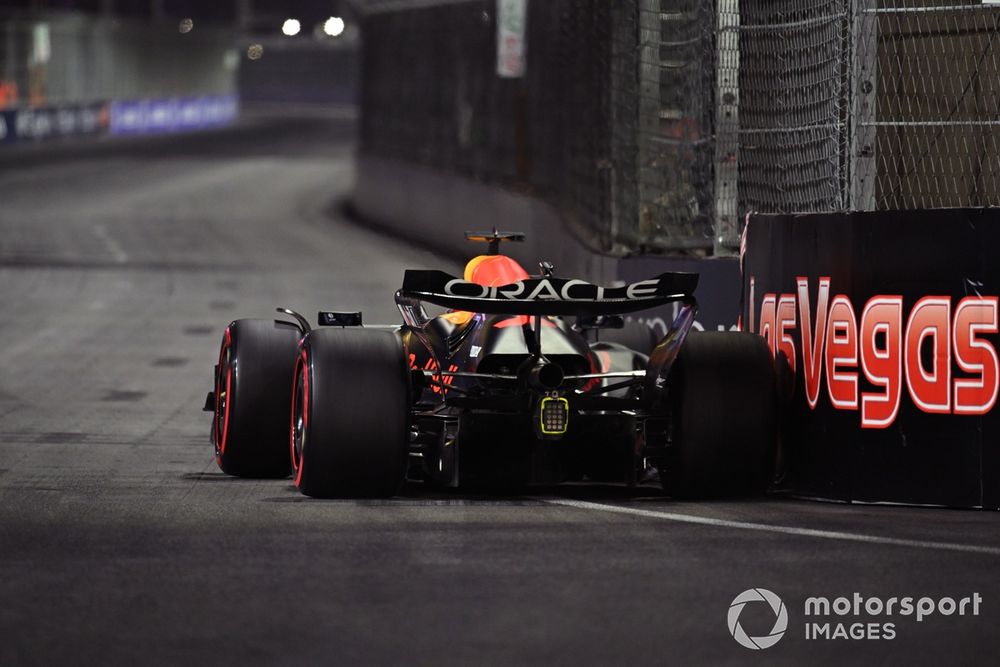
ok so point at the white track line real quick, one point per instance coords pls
(786, 530)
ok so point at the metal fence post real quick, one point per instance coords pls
(864, 93)
(624, 87)
(649, 108)
(727, 127)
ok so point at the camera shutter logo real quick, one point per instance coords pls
(780, 618)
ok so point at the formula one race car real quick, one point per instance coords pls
(524, 380)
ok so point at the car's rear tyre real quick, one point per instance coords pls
(350, 414)
(722, 399)
(253, 392)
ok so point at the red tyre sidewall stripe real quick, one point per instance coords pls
(301, 365)
(295, 405)
(221, 437)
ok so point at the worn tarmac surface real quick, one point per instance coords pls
(122, 543)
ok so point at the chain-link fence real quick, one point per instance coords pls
(431, 95)
(751, 114)
(930, 81)
(658, 124)
(793, 89)
(67, 58)
(675, 125)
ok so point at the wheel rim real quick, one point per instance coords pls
(223, 394)
(300, 414)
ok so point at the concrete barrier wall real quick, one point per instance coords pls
(890, 322)
(300, 72)
(435, 207)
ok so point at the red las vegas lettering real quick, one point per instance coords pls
(930, 320)
(975, 316)
(842, 354)
(939, 350)
(812, 339)
(881, 359)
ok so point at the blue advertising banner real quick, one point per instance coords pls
(177, 114)
(51, 122)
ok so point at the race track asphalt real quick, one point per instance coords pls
(122, 544)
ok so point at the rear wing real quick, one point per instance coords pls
(547, 296)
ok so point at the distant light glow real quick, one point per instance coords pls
(255, 51)
(186, 26)
(291, 27)
(333, 26)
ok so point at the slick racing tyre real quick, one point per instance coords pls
(253, 392)
(722, 397)
(350, 414)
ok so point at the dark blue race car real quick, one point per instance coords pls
(524, 380)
